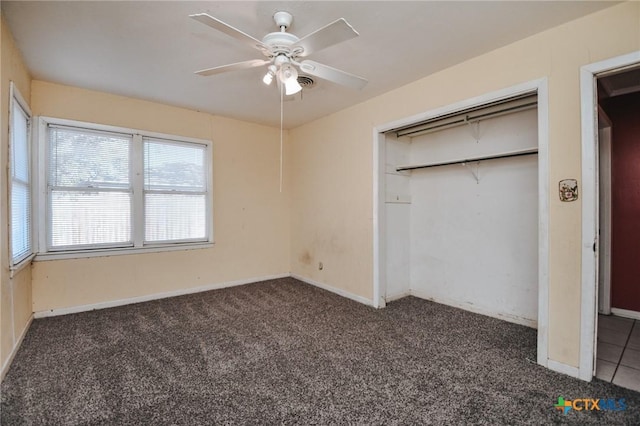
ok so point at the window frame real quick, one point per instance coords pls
(15, 97)
(45, 252)
(178, 191)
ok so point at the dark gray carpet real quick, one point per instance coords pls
(283, 352)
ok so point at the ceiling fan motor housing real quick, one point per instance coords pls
(280, 43)
(283, 19)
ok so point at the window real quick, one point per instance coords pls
(175, 191)
(117, 189)
(20, 172)
(90, 193)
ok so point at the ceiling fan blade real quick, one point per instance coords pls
(233, 67)
(331, 74)
(334, 33)
(217, 24)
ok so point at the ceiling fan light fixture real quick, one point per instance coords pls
(291, 87)
(287, 73)
(268, 77)
(289, 77)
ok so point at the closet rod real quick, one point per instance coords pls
(519, 153)
(462, 119)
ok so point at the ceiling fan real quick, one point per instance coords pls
(283, 52)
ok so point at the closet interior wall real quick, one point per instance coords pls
(466, 234)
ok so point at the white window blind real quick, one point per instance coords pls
(21, 226)
(115, 189)
(175, 191)
(90, 192)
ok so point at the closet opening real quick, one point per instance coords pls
(462, 208)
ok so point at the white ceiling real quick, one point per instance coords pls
(149, 50)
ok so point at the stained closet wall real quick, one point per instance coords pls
(472, 228)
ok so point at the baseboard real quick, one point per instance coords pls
(150, 297)
(398, 296)
(476, 309)
(625, 313)
(563, 368)
(335, 290)
(14, 351)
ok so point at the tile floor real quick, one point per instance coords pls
(618, 351)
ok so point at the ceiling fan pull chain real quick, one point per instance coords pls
(281, 121)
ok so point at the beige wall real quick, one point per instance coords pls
(251, 216)
(332, 159)
(15, 293)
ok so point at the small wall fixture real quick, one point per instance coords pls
(568, 190)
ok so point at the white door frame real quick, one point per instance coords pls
(379, 220)
(379, 247)
(589, 302)
(604, 213)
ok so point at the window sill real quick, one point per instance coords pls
(79, 254)
(14, 269)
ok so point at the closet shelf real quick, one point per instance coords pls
(518, 153)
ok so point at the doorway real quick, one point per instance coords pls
(611, 200)
(618, 338)
(619, 187)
